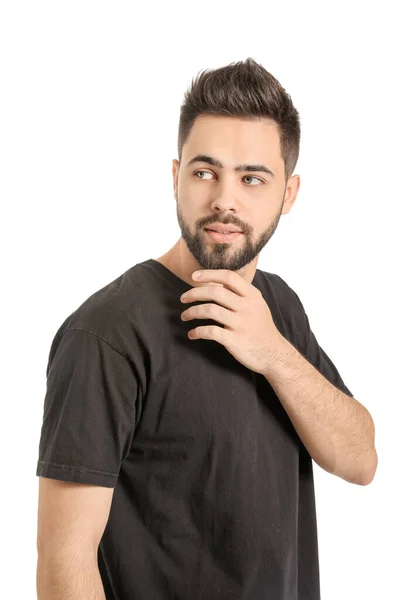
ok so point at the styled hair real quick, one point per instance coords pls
(246, 90)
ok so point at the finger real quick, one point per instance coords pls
(209, 332)
(218, 294)
(229, 279)
(211, 311)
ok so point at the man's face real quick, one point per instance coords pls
(251, 201)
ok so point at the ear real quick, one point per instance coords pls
(292, 188)
(175, 174)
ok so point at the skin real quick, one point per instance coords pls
(252, 201)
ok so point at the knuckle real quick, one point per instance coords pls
(216, 289)
(212, 310)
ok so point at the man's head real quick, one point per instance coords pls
(233, 116)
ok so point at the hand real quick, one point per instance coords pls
(249, 332)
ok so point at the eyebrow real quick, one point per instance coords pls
(239, 168)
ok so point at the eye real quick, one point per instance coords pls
(251, 177)
(196, 172)
(246, 176)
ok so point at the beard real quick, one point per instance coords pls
(232, 255)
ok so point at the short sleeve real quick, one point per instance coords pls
(308, 345)
(321, 361)
(89, 410)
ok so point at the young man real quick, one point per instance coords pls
(176, 464)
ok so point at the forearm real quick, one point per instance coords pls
(68, 576)
(336, 429)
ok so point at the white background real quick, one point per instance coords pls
(90, 98)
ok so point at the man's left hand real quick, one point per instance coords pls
(249, 332)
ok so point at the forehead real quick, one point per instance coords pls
(237, 139)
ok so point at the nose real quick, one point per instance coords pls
(225, 200)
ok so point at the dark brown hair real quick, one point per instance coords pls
(245, 90)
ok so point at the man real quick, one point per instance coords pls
(176, 449)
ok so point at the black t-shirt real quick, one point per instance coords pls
(213, 489)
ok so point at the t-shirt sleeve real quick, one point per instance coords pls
(309, 347)
(89, 410)
(321, 361)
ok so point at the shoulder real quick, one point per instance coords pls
(109, 313)
(276, 286)
(285, 305)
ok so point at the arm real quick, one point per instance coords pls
(70, 574)
(71, 521)
(336, 429)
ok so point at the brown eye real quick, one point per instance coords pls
(206, 172)
(250, 177)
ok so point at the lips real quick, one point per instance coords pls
(221, 229)
(216, 236)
